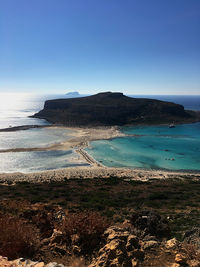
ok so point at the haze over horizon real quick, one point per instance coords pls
(135, 47)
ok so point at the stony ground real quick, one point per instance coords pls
(100, 222)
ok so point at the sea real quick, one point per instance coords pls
(144, 147)
(15, 110)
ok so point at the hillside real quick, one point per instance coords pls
(113, 109)
(100, 221)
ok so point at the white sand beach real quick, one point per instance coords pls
(80, 138)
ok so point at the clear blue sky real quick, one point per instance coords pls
(134, 46)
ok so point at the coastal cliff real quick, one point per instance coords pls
(105, 109)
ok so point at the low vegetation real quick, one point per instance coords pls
(87, 228)
(17, 237)
(82, 209)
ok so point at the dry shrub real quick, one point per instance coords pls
(17, 238)
(85, 230)
(14, 206)
(44, 221)
(191, 251)
(77, 262)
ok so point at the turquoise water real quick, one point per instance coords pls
(147, 151)
(154, 147)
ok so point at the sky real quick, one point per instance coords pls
(131, 46)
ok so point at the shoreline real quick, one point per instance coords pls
(51, 125)
(78, 141)
(79, 138)
(60, 175)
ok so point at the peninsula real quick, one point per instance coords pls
(107, 109)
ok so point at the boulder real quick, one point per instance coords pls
(150, 244)
(193, 236)
(150, 223)
(122, 248)
(54, 264)
(132, 242)
(194, 263)
(180, 258)
(171, 243)
(26, 263)
(57, 237)
(40, 264)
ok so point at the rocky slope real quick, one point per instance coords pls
(113, 109)
(139, 242)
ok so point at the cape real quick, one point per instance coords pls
(106, 109)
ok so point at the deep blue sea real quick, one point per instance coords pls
(154, 147)
(189, 102)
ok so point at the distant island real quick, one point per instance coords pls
(107, 109)
(73, 94)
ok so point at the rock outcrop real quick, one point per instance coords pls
(150, 223)
(112, 109)
(121, 249)
(193, 236)
(142, 242)
(125, 245)
(87, 239)
(4, 262)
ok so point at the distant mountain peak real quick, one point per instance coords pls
(73, 94)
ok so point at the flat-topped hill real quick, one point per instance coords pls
(73, 94)
(113, 109)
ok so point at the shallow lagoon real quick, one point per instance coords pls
(38, 137)
(38, 161)
(154, 147)
(32, 161)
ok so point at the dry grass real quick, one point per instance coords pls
(14, 207)
(191, 251)
(84, 229)
(115, 199)
(17, 238)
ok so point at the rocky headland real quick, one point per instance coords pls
(106, 109)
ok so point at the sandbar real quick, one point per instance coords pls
(79, 139)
